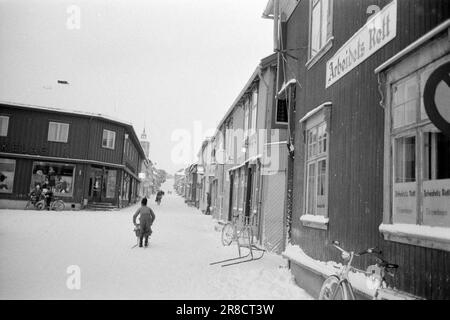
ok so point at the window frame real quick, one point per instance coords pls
(313, 59)
(7, 117)
(417, 234)
(114, 140)
(314, 121)
(58, 131)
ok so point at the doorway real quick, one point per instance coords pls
(96, 185)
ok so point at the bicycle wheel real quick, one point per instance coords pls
(58, 205)
(332, 289)
(40, 205)
(227, 234)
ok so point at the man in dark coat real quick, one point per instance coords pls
(146, 219)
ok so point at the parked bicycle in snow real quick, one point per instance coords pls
(338, 286)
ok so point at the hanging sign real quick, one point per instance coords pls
(375, 34)
(436, 98)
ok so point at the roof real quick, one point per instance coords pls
(264, 63)
(286, 9)
(125, 124)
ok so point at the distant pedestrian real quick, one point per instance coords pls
(146, 219)
(208, 203)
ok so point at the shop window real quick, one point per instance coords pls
(58, 132)
(7, 170)
(320, 26)
(57, 177)
(417, 188)
(109, 139)
(111, 183)
(4, 123)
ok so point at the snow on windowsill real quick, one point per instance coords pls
(427, 236)
(358, 280)
(313, 221)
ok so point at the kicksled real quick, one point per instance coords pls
(244, 241)
(137, 232)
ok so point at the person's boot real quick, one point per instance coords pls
(140, 242)
(146, 242)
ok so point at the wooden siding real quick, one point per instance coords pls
(356, 144)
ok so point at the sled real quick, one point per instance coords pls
(137, 233)
(254, 252)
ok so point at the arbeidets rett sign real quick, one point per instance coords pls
(376, 33)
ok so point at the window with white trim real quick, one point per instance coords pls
(316, 169)
(254, 112)
(58, 132)
(109, 139)
(320, 25)
(246, 118)
(420, 159)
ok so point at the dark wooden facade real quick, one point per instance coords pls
(27, 142)
(356, 145)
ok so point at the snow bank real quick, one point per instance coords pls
(357, 279)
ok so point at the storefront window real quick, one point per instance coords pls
(111, 184)
(55, 176)
(126, 186)
(7, 170)
(421, 184)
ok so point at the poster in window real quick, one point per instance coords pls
(436, 203)
(111, 184)
(58, 177)
(7, 170)
(405, 203)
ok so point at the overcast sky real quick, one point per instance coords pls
(168, 63)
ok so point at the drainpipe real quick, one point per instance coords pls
(87, 165)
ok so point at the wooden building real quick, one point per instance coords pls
(370, 169)
(88, 159)
(250, 159)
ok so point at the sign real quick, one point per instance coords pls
(436, 98)
(379, 30)
(436, 203)
(405, 203)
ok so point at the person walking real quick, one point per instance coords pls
(146, 219)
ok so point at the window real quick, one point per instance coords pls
(320, 25)
(109, 139)
(254, 112)
(111, 182)
(7, 170)
(419, 194)
(58, 132)
(57, 177)
(246, 119)
(282, 112)
(4, 123)
(316, 170)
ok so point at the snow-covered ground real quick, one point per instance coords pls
(36, 249)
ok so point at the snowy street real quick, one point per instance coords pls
(36, 248)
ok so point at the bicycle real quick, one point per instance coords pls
(55, 204)
(232, 232)
(338, 286)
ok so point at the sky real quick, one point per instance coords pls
(175, 66)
